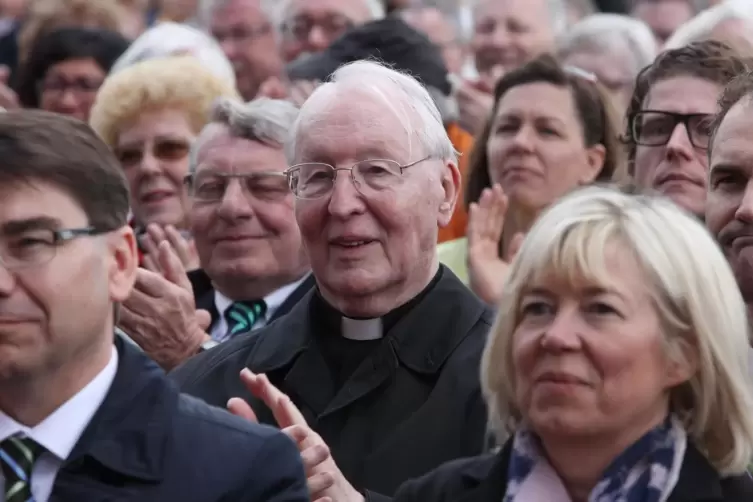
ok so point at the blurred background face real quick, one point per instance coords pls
(678, 169)
(663, 16)
(589, 358)
(614, 69)
(153, 151)
(441, 32)
(508, 33)
(365, 245)
(310, 26)
(729, 207)
(42, 325)
(244, 227)
(536, 148)
(69, 87)
(247, 38)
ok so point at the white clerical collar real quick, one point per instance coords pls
(362, 329)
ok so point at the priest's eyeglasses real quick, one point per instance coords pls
(313, 180)
(35, 247)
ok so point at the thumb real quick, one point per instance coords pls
(515, 245)
(203, 319)
(171, 266)
(241, 408)
(4, 74)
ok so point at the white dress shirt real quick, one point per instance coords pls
(59, 432)
(273, 300)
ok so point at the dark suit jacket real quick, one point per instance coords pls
(148, 443)
(204, 295)
(484, 479)
(413, 403)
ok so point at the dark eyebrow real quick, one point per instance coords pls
(16, 227)
(728, 169)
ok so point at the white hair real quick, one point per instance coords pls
(702, 26)
(557, 13)
(168, 39)
(401, 94)
(611, 33)
(281, 11)
(265, 120)
(694, 293)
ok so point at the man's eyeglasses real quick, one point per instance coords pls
(313, 180)
(37, 247)
(655, 127)
(211, 187)
(59, 86)
(300, 28)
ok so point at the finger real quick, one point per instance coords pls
(515, 244)
(284, 411)
(297, 433)
(148, 243)
(203, 319)
(156, 232)
(149, 263)
(4, 74)
(324, 499)
(314, 456)
(139, 301)
(241, 408)
(320, 482)
(153, 284)
(172, 267)
(179, 243)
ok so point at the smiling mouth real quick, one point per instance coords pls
(156, 197)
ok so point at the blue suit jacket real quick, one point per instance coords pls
(149, 443)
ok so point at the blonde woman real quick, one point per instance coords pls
(617, 365)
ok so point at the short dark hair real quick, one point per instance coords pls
(64, 152)
(737, 90)
(595, 113)
(709, 60)
(103, 46)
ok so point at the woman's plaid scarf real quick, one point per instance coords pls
(646, 472)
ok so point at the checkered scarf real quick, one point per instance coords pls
(646, 472)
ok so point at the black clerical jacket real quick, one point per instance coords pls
(413, 403)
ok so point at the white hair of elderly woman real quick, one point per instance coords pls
(557, 12)
(610, 33)
(169, 39)
(280, 9)
(265, 120)
(694, 293)
(703, 25)
(400, 93)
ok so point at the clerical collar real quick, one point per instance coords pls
(360, 329)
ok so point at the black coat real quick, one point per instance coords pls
(484, 479)
(413, 403)
(148, 443)
(204, 295)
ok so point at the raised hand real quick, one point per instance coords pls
(184, 247)
(486, 220)
(325, 481)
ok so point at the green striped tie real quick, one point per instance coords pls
(242, 316)
(17, 457)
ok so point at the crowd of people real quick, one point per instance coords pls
(376, 250)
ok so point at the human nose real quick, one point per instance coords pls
(523, 139)
(235, 202)
(678, 144)
(345, 199)
(561, 334)
(317, 39)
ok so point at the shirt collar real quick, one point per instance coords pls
(274, 300)
(60, 431)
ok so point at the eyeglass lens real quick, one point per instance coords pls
(655, 128)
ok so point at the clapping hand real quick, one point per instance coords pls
(486, 220)
(183, 247)
(325, 481)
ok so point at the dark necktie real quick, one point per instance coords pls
(17, 457)
(241, 316)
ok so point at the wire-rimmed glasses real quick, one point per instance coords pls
(312, 180)
(655, 127)
(210, 187)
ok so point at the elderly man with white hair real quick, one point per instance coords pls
(309, 26)
(614, 48)
(381, 356)
(731, 22)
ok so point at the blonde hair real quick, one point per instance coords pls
(179, 82)
(47, 15)
(695, 296)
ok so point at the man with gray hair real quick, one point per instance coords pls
(381, 357)
(254, 268)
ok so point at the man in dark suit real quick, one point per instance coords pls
(85, 416)
(253, 265)
(382, 357)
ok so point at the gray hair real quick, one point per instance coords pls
(402, 94)
(611, 32)
(702, 26)
(265, 120)
(557, 13)
(169, 39)
(281, 11)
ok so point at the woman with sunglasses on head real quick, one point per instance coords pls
(670, 115)
(551, 130)
(149, 116)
